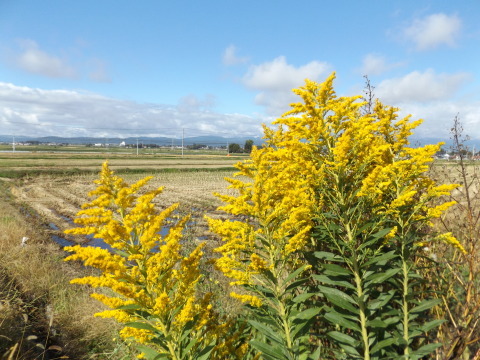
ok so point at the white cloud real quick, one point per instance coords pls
(34, 60)
(438, 118)
(38, 112)
(191, 102)
(276, 79)
(99, 72)
(230, 56)
(374, 64)
(420, 87)
(434, 30)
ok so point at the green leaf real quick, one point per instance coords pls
(187, 329)
(426, 349)
(328, 256)
(342, 338)
(295, 284)
(335, 281)
(382, 344)
(308, 313)
(300, 328)
(377, 323)
(339, 298)
(381, 258)
(294, 274)
(431, 324)
(302, 297)
(381, 233)
(316, 354)
(150, 353)
(204, 354)
(369, 243)
(381, 301)
(193, 341)
(349, 350)
(262, 289)
(378, 278)
(269, 276)
(336, 270)
(267, 332)
(121, 253)
(141, 325)
(269, 352)
(425, 305)
(337, 319)
(130, 307)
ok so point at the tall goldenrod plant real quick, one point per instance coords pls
(339, 189)
(153, 287)
(261, 252)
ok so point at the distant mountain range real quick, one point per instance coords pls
(166, 141)
(203, 140)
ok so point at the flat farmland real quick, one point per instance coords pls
(55, 185)
(23, 163)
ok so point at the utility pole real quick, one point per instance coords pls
(137, 146)
(13, 144)
(183, 136)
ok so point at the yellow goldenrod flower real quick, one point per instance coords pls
(452, 240)
(148, 275)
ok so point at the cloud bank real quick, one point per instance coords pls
(434, 30)
(421, 87)
(36, 61)
(374, 64)
(37, 112)
(231, 58)
(275, 80)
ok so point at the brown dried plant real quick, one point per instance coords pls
(459, 285)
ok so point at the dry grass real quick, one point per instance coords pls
(460, 273)
(37, 279)
(41, 314)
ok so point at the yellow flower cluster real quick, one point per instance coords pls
(145, 270)
(324, 146)
(450, 239)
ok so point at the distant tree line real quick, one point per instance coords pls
(236, 148)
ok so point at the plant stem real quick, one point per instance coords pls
(406, 336)
(361, 305)
(286, 328)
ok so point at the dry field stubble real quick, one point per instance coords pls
(23, 162)
(58, 198)
(41, 315)
(35, 275)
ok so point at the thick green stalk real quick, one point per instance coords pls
(286, 328)
(283, 315)
(361, 305)
(405, 310)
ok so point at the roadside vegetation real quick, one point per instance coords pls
(336, 240)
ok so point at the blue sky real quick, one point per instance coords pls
(123, 68)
